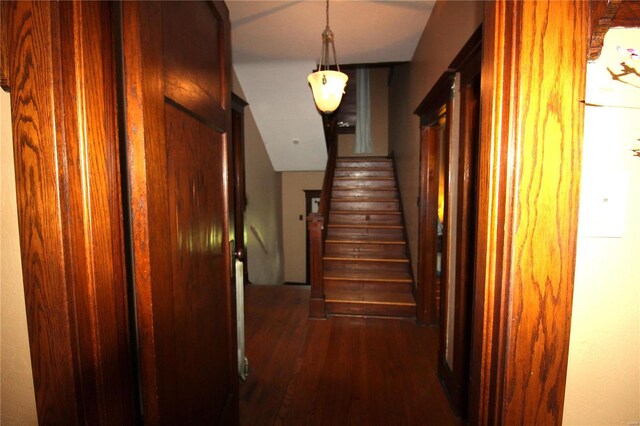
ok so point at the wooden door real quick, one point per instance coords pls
(453, 368)
(177, 117)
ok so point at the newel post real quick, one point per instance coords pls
(316, 303)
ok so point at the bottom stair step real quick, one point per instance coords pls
(378, 303)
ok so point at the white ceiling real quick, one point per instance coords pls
(275, 44)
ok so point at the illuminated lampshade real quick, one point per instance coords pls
(328, 88)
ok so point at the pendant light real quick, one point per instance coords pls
(327, 85)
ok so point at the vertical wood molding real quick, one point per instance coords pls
(533, 79)
(69, 209)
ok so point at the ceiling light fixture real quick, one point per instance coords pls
(327, 85)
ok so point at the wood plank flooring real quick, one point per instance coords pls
(342, 371)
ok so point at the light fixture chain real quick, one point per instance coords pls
(327, 14)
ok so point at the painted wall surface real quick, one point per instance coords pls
(294, 229)
(603, 372)
(263, 218)
(379, 92)
(449, 27)
(17, 400)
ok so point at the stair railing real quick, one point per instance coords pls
(316, 222)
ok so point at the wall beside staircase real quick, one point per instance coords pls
(294, 230)
(379, 92)
(263, 205)
(449, 27)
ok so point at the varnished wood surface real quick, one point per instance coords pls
(533, 79)
(59, 60)
(176, 89)
(343, 371)
(355, 284)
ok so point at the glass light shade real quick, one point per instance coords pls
(328, 87)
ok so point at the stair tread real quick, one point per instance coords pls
(367, 259)
(348, 275)
(364, 158)
(369, 297)
(363, 178)
(353, 225)
(368, 199)
(361, 212)
(363, 169)
(359, 188)
(399, 242)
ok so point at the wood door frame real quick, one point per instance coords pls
(533, 79)
(309, 195)
(466, 65)
(58, 60)
(426, 300)
(239, 182)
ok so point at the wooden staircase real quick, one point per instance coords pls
(366, 270)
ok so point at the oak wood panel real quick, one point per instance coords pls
(4, 64)
(456, 376)
(194, 72)
(531, 134)
(69, 206)
(430, 298)
(178, 179)
(340, 371)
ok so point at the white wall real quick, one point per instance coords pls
(263, 218)
(603, 373)
(17, 398)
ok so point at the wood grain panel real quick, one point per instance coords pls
(178, 180)
(532, 119)
(198, 256)
(69, 207)
(194, 71)
(427, 303)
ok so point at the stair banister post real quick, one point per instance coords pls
(316, 303)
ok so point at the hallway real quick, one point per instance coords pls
(356, 371)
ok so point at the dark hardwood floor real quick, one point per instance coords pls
(342, 371)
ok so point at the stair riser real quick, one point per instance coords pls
(362, 183)
(364, 286)
(364, 219)
(364, 234)
(364, 193)
(370, 310)
(364, 164)
(390, 206)
(355, 173)
(365, 266)
(385, 251)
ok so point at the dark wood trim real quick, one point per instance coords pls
(294, 283)
(63, 99)
(426, 301)
(4, 27)
(440, 92)
(605, 14)
(309, 194)
(317, 230)
(239, 181)
(533, 77)
(468, 52)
